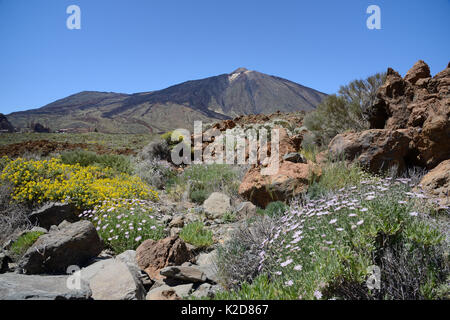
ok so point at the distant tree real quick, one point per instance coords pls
(344, 111)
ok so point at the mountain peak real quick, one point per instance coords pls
(239, 70)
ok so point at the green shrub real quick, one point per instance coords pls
(21, 245)
(118, 163)
(229, 217)
(202, 180)
(336, 175)
(275, 208)
(199, 196)
(196, 234)
(345, 111)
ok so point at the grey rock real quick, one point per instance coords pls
(246, 209)
(39, 229)
(183, 290)
(175, 232)
(53, 214)
(179, 291)
(206, 290)
(165, 219)
(129, 258)
(24, 287)
(206, 258)
(210, 271)
(217, 205)
(177, 222)
(163, 292)
(63, 224)
(114, 279)
(184, 273)
(294, 157)
(75, 244)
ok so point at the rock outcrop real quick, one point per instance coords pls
(437, 183)
(412, 115)
(152, 256)
(32, 287)
(53, 214)
(290, 180)
(217, 205)
(73, 244)
(375, 149)
(113, 279)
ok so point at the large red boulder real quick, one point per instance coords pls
(152, 256)
(291, 179)
(417, 103)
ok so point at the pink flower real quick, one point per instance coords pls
(318, 294)
(287, 262)
(298, 267)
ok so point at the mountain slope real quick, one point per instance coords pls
(215, 98)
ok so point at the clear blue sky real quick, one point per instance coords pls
(143, 45)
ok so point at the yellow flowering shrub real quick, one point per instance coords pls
(39, 181)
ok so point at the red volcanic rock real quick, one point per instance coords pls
(152, 256)
(290, 180)
(375, 149)
(437, 183)
(417, 103)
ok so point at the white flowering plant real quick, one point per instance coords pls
(125, 223)
(318, 244)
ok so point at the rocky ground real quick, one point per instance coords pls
(164, 269)
(409, 127)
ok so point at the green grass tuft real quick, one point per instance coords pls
(195, 233)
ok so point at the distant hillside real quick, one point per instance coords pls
(215, 98)
(5, 125)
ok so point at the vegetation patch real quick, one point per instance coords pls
(118, 163)
(202, 180)
(196, 234)
(21, 245)
(124, 224)
(325, 248)
(36, 182)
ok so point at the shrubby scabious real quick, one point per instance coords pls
(320, 248)
(125, 223)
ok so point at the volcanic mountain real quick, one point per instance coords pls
(220, 97)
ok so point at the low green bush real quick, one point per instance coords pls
(275, 208)
(118, 163)
(336, 175)
(21, 245)
(202, 180)
(196, 234)
(345, 111)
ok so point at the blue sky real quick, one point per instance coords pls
(143, 45)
